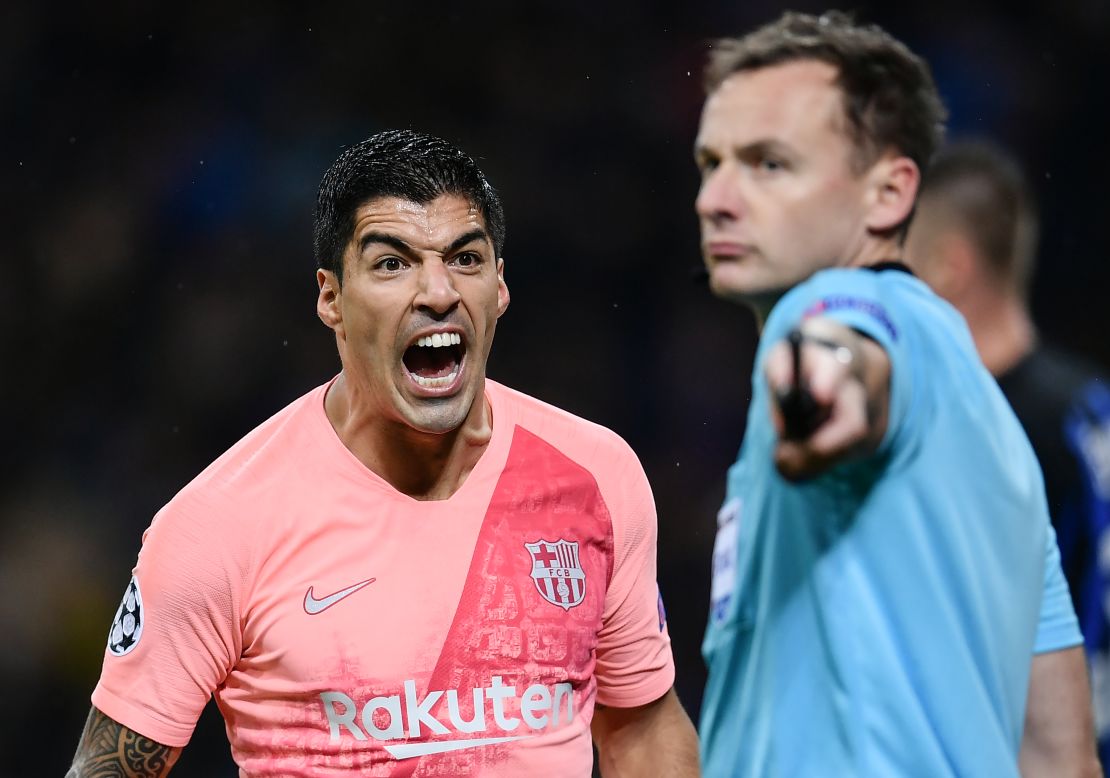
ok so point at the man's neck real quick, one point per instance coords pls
(1003, 332)
(424, 466)
(873, 252)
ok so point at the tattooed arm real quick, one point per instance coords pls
(110, 750)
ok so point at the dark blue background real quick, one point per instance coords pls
(160, 163)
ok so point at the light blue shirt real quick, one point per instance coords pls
(881, 620)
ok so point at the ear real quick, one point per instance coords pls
(502, 289)
(892, 187)
(329, 304)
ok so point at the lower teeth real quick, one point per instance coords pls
(433, 383)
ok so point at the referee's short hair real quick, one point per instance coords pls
(890, 99)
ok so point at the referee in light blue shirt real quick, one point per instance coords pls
(879, 620)
(887, 597)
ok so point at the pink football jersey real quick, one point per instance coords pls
(344, 627)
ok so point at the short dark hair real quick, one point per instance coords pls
(890, 99)
(984, 190)
(397, 163)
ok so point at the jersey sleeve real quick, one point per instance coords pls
(634, 662)
(855, 299)
(158, 681)
(1058, 627)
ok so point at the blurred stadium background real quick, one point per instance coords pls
(160, 166)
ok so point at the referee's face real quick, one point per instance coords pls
(779, 199)
(415, 315)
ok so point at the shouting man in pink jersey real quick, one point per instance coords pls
(411, 570)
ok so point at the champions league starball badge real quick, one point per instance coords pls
(127, 627)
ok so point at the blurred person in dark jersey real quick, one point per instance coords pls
(974, 240)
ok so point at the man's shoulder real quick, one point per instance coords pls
(1053, 390)
(1055, 372)
(574, 435)
(273, 453)
(886, 298)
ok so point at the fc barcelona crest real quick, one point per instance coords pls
(557, 572)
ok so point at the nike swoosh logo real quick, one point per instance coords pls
(312, 606)
(409, 750)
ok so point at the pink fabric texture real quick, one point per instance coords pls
(345, 627)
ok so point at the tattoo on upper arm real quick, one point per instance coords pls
(110, 750)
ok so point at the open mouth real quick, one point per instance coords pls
(434, 361)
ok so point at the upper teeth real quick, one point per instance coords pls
(440, 339)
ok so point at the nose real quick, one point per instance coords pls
(437, 293)
(720, 198)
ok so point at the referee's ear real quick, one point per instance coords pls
(891, 190)
(328, 306)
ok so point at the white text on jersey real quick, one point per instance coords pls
(540, 708)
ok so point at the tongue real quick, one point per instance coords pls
(431, 362)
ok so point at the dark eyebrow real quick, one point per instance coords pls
(760, 147)
(465, 238)
(399, 245)
(388, 240)
(755, 148)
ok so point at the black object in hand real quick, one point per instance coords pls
(801, 415)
